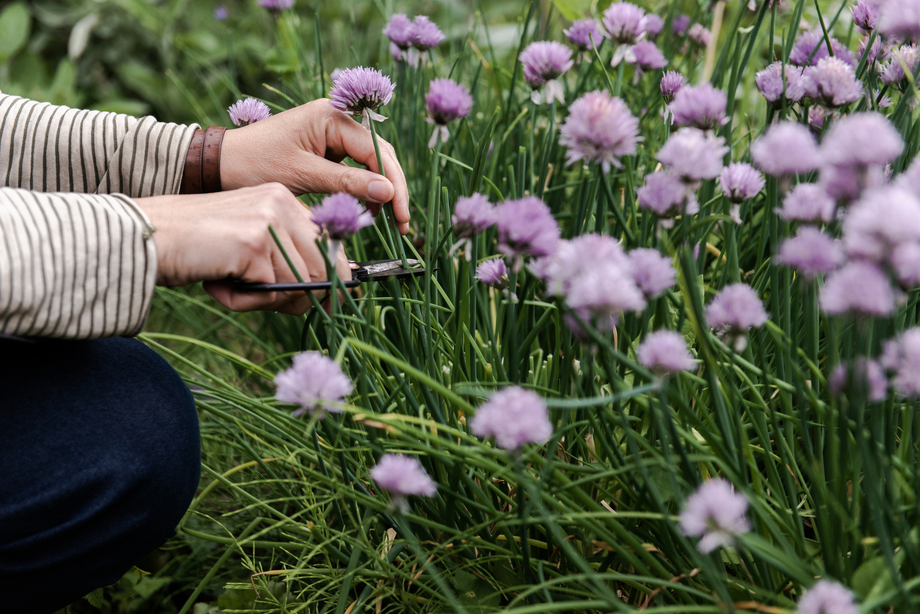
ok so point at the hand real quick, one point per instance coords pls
(210, 237)
(303, 148)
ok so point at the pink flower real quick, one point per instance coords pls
(714, 512)
(599, 128)
(315, 382)
(664, 352)
(513, 416)
(827, 597)
(402, 476)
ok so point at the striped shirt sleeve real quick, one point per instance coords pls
(77, 257)
(75, 266)
(57, 149)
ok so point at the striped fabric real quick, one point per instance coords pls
(76, 255)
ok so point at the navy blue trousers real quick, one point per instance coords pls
(99, 459)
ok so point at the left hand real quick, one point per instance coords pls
(302, 148)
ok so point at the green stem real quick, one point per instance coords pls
(391, 252)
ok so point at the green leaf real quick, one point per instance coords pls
(148, 586)
(95, 598)
(63, 87)
(572, 9)
(15, 27)
(873, 576)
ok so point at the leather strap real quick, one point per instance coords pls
(202, 163)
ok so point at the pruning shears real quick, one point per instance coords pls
(374, 270)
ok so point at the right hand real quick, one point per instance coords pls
(212, 237)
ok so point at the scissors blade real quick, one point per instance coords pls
(367, 271)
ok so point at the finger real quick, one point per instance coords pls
(358, 143)
(373, 207)
(270, 267)
(329, 177)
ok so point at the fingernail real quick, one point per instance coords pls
(378, 190)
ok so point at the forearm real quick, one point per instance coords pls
(74, 266)
(52, 148)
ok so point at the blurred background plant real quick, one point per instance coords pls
(288, 518)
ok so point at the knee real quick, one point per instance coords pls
(155, 453)
(110, 482)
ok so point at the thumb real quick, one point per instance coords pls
(330, 177)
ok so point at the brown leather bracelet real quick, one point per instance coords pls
(202, 163)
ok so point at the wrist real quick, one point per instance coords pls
(203, 162)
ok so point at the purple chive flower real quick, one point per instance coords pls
(652, 272)
(787, 148)
(906, 55)
(879, 222)
(245, 112)
(812, 44)
(664, 352)
(878, 52)
(513, 416)
(858, 288)
(736, 309)
(399, 31)
(740, 182)
(582, 32)
(625, 24)
(860, 140)
(865, 14)
(402, 476)
(699, 34)
(360, 92)
(425, 34)
(599, 128)
(663, 193)
(715, 512)
(276, 5)
(900, 20)
(671, 82)
(816, 117)
(544, 62)
(221, 13)
(446, 101)
(341, 215)
(526, 227)
(910, 179)
(701, 106)
(493, 272)
(693, 155)
(901, 356)
(595, 276)
(646, 56)
(653, 25)
(810, 252)
(315, 382)
(472, 215)
(780, 81)
(832, 83)
(807, 203)
(905, 260)
(827, 597)
(846, 183)
(860, 376)
(680, 25)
